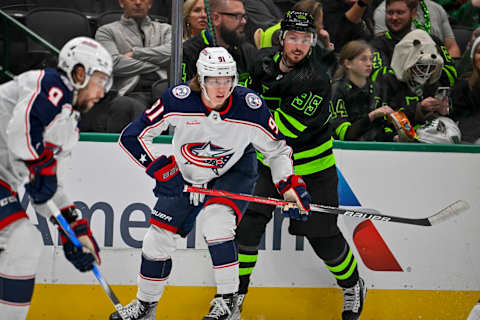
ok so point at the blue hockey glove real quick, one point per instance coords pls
(294, 189)
(165, 171)
(83, 258)
(43, 177)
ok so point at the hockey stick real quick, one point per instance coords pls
(209, 22)
(371, 214)
(71, 235)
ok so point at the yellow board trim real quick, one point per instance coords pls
(80, 302)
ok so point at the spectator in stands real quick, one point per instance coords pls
(466, 99)
(347, 20)
(464, 66)
(431, 18)
(412, 81)
(194, 18)
(262, 14)
(355, 115)
(228, 22)
(141, 50)
(316, 10)
(398, 19)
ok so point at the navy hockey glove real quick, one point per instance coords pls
(43, 177)
(294, 189)
(83, 258)
(169, 180)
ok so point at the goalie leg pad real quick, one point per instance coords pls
(219, 232)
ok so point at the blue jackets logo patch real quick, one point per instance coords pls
(206, 155)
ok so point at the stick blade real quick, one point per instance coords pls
(450, 211)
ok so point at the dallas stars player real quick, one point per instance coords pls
(295, 83)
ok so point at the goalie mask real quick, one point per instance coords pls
(440, 130)
(298, 21)
(88, 53)
(416, 60)
(216, 62)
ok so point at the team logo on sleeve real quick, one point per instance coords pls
(181, 92)
(206, 155)
(253, 101)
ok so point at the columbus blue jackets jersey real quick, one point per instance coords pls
(207, 143)
(36, 110)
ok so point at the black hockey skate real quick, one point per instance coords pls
(239, 305)
(353, 299)
(223, 307)
(137, 310)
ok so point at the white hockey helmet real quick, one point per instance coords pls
(216, 62)
(88, 53)
(440, 130)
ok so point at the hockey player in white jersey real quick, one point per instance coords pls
(216, 123)
(39, 114)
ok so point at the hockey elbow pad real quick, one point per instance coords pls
(43, 177)
(294, 189)
(169, 180)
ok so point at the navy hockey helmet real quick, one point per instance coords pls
(299, 21)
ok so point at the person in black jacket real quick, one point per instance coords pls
(347, 20)
(399, 18)
(228, 18)
(355, 114)
(466, 100)
(294, 81)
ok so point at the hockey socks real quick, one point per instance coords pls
(225, 265)
(344, 269)
(338, 257)
(15, 296)
(152, 278)
(247, 258)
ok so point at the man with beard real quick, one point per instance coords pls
(294, 81)
(228, 19)
(38, 130)
(398, 18)
(430, 17)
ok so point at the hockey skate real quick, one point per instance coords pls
(137, 310)
(475, 313)
(353, 299)
(238, 309)
(223, 307)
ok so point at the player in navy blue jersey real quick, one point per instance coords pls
(215, 123)
(39, 114)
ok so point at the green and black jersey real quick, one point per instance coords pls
(244, 55)
(350, 108)
(384, 45)
(397, 94)
(299, 101)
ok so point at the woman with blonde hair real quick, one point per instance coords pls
(194, 18)
(355, 115)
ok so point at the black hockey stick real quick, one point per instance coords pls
(448, 212)
(71, 235)
(211, 28)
